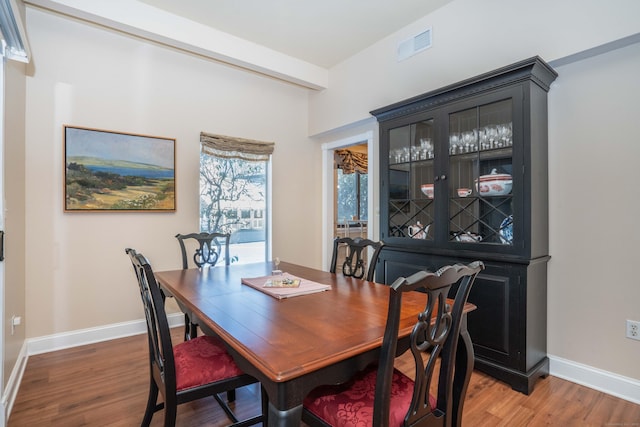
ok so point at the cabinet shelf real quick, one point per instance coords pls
(494, 153)
(506, 196)
(475, 197)
(414, 162)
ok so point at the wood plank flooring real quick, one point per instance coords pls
(105, 384)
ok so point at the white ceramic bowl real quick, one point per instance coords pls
(494, 184)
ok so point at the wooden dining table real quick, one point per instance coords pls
(295, 344)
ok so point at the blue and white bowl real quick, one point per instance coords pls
(506, 230)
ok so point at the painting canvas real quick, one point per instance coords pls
(114, 171)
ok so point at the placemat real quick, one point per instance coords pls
(266, 284)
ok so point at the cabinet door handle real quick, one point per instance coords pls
(443, 177)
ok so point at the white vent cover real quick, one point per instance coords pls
(418, 43)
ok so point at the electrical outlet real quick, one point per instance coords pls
(15, 321)
(633, 329)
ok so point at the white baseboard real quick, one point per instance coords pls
(597, 379)
(92, 335)
(11, 390)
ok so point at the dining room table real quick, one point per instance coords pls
(293, 343)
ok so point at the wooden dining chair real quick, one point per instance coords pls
(383, 396)
(355, 261)
(190, 370)
(207, 250)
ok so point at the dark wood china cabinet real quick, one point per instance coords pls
(464, 177)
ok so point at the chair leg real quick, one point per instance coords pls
(170, 412)
(190, 328)
(265, 406)
(187, 325)
(194, 331)
(151, 404)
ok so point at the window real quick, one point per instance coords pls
(352, 196)
(352, 179)
(234, 188)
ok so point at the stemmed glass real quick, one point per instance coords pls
(276, 263)
(504, 132)
(469, 139)
(491, 136)
(454, 140)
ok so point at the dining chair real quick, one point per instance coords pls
(381, 395)
(190, 370)
(207, 248)
(355, 261)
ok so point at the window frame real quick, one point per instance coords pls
(265, 152)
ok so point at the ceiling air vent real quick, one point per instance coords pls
(418, 43)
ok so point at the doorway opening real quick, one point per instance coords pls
(351, 191)
(348, 201)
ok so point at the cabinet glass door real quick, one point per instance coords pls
(480, 174)
(411, 174)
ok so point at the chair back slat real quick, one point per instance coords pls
(356, 257)
(434, 336)
(208, 250)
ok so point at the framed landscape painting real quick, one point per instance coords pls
(118, 172)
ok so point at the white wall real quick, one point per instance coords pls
(593, 145)
(77, 274)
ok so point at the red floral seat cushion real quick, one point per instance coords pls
(351, 404)
(202, 360)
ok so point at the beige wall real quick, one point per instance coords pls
(594, 147)
(14, 204)
(83, 75)
(593, 138)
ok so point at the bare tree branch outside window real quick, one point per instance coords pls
(233, 192)
(228, 186)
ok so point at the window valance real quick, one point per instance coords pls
(351, 161)
(231, 147)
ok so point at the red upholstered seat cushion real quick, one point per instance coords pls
(202, 360)
(351, 404)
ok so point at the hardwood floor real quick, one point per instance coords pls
(105, 384)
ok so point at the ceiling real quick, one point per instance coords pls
(297, 41)
(321, 32)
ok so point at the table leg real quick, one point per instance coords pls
(287, 418)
